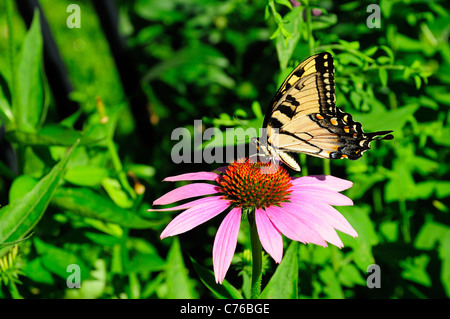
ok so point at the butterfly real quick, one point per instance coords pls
(303, 118)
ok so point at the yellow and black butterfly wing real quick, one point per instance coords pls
(303, 117)
(304, 69)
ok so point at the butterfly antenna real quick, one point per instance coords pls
(239, 120)
(243, 124)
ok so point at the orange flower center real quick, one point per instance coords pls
(256, 185)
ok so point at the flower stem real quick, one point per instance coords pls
(303, 164)
(326, 167)
(256, 257)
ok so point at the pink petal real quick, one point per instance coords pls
(337, 220)
(329, 213)
(194, 216)
(327, 181)
(292, 227)
(315, 221)
(269, 235)
(187, 205)
(187, 191)
(315, 193)
(199, 176)
(225, 243)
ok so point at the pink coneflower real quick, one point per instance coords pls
(298, 208)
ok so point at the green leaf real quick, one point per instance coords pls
(56, 259)
(417, 81)
(401, 185)
(434, 234)
(442, 188)
(349, 275)
(382, 119)
(5, 105)
(224, 291)
(92, 287)
(440, 136)
(179, 285)
(430, 235)
(383, 74)
(116, 193)
(87, 203)
(354, 45)
(21, 186)
(103, 240)
(407, 44)
(159, 10)
(383, 60)
(19, 217)
(348, 58)
(144, 262)
(390, 230)
(49, 135)
(414, 269)
(86, 175)
(358, 217)
(389, 52)
(285, 3)
(371, 50)
(324, 21)
(284, 282)
(29, 112)
(35, 271)
(209, 65)
(256, 108)
(38, 160)
(141, 170)
(424, 165)
(444, 254)
(286, 46)
(439, 93)
(332, 287)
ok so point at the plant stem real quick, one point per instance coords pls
(326, 166)
(256, 257)
(309, 28)
(303, 164)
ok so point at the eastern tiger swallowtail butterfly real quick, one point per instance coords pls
(303, 118)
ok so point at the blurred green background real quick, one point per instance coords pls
(136, 70)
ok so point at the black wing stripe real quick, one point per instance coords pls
(287, 110)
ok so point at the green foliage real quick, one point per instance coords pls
(76, 190)
(224, 291)
(284, 282)
(23, 213)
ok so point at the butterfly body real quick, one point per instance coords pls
(303, 118)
